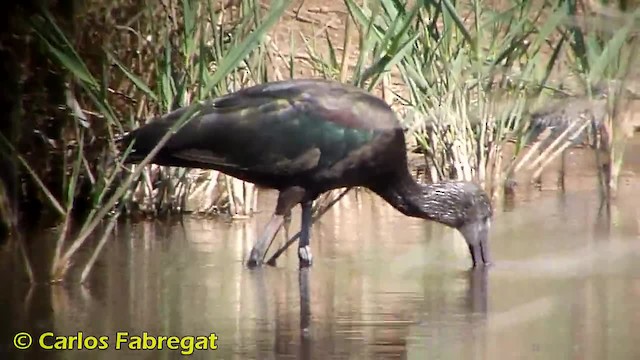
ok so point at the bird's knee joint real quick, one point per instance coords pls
(304, 255)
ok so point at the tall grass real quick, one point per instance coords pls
(206, 52)
(473, 71)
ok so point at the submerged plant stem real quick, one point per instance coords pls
(82, 237)
(98, 249)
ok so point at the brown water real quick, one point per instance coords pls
(566, 284)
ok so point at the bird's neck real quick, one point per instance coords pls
(435, 202)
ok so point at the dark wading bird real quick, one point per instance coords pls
(561, 113)
(306, 137)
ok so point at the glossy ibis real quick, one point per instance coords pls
(577, 120)
(566, 112)
(306, 137)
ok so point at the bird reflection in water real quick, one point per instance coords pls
(389, 338)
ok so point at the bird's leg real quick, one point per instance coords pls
(304, 250)
(264, 241)
(272, 260)
(287, 199)
(286, 225)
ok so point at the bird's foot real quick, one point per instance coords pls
(254, 260)
(304, 255)
(482, 264)
(253, 263)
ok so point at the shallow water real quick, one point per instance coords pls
(565, 285)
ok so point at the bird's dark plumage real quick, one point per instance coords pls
(305, 137)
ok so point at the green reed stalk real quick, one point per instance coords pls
(195, 69)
